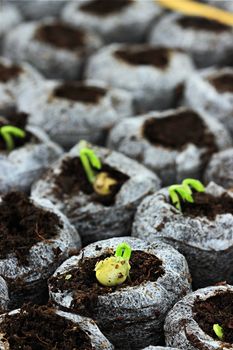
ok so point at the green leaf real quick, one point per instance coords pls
(123, 250)
(218, 330)
(195, 184)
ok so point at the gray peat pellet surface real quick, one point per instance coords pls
(208, 42)
(151, 74)
(94, 220)
(206, 244)
(162, 151)
(51, 57)
(119, 21)
(183, 331)
(132, 317)
(211, 92)
(24, 165)
(9, 18)
(159, 348)
(81, 110)
(4, 295)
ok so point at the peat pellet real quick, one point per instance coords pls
(9, 17)
(55, 48)
(30, 156)
(131, 315)
(151, 74)
(115, 20)
(209, 42)
(44, 327)
(211, 92)
(175, 144)
(97, 216)
(202, 231)
(35, 239)
(71, 111)
(4, 295)
(220, 169)
(189, 325)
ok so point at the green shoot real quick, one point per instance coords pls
(195, 184)
(218, 330)
(89, 161)
(123, 250)
(8, 132)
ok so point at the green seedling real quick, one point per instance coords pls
(8, 132)
(184, 191)
(114, 270)
(101, 181)
(218, 330)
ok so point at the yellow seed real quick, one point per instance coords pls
(103, 184)
(109, 272)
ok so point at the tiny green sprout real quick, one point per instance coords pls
(218, 330)
(114, 270)
(195, 184)
(8, 132)
(68, 277)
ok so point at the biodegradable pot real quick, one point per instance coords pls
(131, 315)
(211, 92)
(201, 231)
(174, 144)
(97, 217)
(14, 80)
(220, 169)
(29, 159)
(208, 42)
(4, 295)
(56, 49)
(115, 21)
(182, 328)
(77, 110)
(36, 238)
(33, 326)
(9, 17)
(37, 9)
(151, 74)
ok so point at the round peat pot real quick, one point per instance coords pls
(211, 92)
(9, 17)
(174, 144)
(43, 327)
(4, 295)
(115, 20)
(131, 315)
(220, 169)
(35, 239)
(77, 110)
(53, 47)
(97, 216)
(209, 42)
(37, 9)
(202, 231)
(14, 80)
(30, 156)
(189, 325)
(151, 74)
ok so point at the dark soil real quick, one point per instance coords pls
(61, 35)
(223, 82)
(72, 180)
(19, 120)
(215, 310)
(178, 130)
(200, 23)
(80, 93)
(105, 7)
(39, 328)
(144, 267)
(9, 72)
(206, 205)
(22, 225)
(147, 56)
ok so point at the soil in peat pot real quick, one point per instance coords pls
(200, 23)
(223, 83)
(61, 35)
(39, 328)
(105, 7)
(82, 280)
(9, 72)
(22, 225)
(73, 179)
(79, 93)
(157, 57)
(215, 310)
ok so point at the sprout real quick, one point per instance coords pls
(101, 182)
(114, 270)
(218, 330)
(7, 131)
(184, 191)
